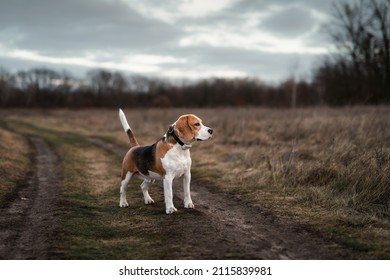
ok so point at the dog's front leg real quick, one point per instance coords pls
(168, 195)
(187, 193)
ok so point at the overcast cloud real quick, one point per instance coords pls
(171, 38)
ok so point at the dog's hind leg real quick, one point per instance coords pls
(145, 190)
(124, 183)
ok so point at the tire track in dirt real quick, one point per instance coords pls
(29, 219)
(240, 231)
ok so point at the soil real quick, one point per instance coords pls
(28, 218)
(224, 226)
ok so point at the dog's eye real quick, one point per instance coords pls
(197, 124)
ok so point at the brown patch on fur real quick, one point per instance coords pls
(132, 139)
(161, 150)
(128, 164)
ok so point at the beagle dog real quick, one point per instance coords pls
(167, 159)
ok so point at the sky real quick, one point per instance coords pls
(177, 39)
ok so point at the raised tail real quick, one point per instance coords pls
(127, 129)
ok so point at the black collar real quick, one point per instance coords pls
(171, 131)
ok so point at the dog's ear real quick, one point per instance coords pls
(183, 129)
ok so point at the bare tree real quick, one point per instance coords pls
(101, 81)
(139, 83)
(119, 83)
(7, 81)
(360, 70)
(381, 24)
(295, 68)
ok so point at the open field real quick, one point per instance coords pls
(297, 184)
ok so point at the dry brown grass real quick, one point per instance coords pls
(335, 158)
(329, 157)
(328, 169)
(325, 168)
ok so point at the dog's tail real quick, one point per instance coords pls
(126, 127)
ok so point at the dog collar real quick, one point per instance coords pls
(171, 131)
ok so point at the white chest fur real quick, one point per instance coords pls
(176, 161)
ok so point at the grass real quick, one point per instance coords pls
(327, 169)
(14, 163)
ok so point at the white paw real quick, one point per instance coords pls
(189, 205)
(123, 204)
(149, 200)
(170, 210)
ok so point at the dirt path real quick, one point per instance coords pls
(224, 226)
(29, 218)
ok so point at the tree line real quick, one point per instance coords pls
(42, 87)
(356, 72)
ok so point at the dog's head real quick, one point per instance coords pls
(190, 128)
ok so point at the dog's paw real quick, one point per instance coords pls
(149, 200)
(170, 210)
(123, 204)
(189, 205)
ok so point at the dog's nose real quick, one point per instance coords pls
(210, 131)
